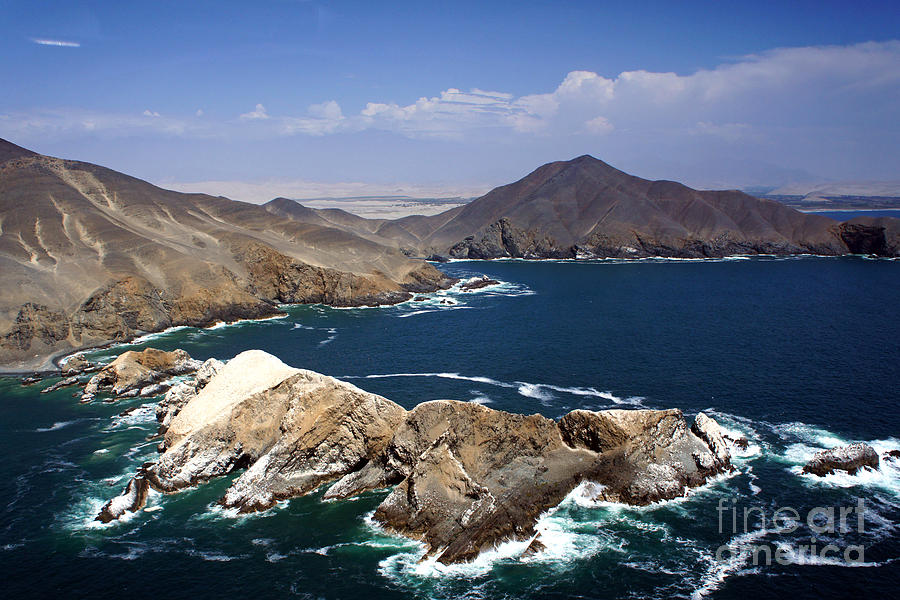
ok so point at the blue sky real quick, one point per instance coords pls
(455, 96)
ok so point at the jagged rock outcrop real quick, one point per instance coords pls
(282, 279)
(132, 373)
(329, 428)
(477, 283)
(850, 458)
(68, 381)
(132, 499)
(504, 240)
(465, 476)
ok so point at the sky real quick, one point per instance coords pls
(307, 99)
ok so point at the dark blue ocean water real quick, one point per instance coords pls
(798, 354)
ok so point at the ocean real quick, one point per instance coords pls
(797, 354)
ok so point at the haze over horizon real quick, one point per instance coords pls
(314, 99)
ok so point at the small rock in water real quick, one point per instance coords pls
(60, 384)
(78, 364)
(738, 442)
(30, 380)
(892, 455)
(131, 500)
(478, 284)
(535, 547)
(850, 458)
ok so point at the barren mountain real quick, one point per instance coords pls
(584, 208)
(88, 255)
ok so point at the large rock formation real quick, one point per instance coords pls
(584, 208)
(465, 476)
(850, 458)
(134, 373)
(89, 255)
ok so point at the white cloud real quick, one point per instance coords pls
(199, 112)
(599, 126)
(58, 43)
(48, 123)
(323, 118)
(257, 113)
(811, 108)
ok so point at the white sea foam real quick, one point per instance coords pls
(153, 336)
(792, 555)
(214, 556)
(739, 549)
(481, 399)
(808, 434)
(332, 334)
(537, 391)
(146, 413)
(56, 426)
(477, 379)
(425, 311)
(223, 324)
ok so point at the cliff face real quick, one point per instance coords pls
(585, 208)
(465, 477)
(89, 255)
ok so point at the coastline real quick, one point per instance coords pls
(49, 365)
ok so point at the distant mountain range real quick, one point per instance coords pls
(89, 255)
(586, 208)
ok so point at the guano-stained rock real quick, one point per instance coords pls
(465, 477)
(133, 372)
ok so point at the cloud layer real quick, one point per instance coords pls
(771, 102)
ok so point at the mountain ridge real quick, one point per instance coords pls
(585, 208)
(89, 255)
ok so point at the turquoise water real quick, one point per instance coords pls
(798, 354)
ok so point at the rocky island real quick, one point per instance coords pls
(464, 477)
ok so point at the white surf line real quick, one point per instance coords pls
(538, 391)
(223, 324)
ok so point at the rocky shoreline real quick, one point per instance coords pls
(504, 240)
(125, 311)
(52, 364)
(463, 477)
